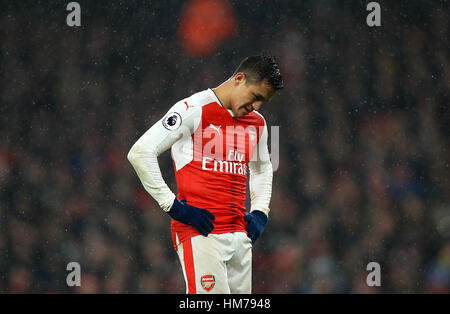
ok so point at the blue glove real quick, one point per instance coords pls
(198, 218)
(256, 222)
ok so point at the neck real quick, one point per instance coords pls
(222, 92)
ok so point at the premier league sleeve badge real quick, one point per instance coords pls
(172, 121)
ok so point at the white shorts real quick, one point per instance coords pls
(218, 263)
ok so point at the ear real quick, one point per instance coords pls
(239, 78)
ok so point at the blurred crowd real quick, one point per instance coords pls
(364, 161)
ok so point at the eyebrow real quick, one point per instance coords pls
(259, 96)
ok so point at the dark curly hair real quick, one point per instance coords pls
(260, 67)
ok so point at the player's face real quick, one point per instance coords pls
(247, 96)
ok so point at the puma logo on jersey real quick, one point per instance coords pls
(217, 129)
(187, 105)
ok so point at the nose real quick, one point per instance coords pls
(256, 105)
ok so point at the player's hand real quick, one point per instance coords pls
(199, 218)
(256, 222)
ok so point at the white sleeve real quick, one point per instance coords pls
(178, 122)
(261, 175)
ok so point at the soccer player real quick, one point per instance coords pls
(216, 137)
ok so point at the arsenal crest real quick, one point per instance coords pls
(208, 282)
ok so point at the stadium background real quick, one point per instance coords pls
(364, 159)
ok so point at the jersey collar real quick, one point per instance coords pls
(217, 98)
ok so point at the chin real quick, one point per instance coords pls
(242, 113)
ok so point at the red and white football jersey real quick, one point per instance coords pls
(212, 152)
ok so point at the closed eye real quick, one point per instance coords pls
(258, 97)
